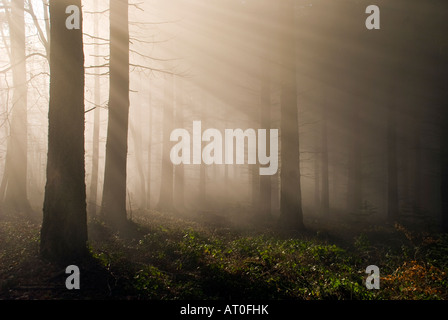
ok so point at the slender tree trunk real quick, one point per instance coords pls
(179, 184)
(317, 179)
(325, 186)
(15, 193)
(167, 184)
(354, 191)
(202, 166)
(417, 192)
(392, 166)
(136, 135)
(443, 91)
(265, 181)
(148, 170)
(96, 132)
(114, 191)
(291, 215)
(64, 226)
(444, 160)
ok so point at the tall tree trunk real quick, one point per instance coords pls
(96, 132)
(64, 226)
(202, 167)
(392, 166)
(442, 72)
(167, 184)
(148, 170)
(265, 121)
(114, 191)
(291, 215)
(325, 186)
(317, 178)
(15, 193)
(179, 184)
(444, 157)
(354, 185)
(138, 151)
(417, 191)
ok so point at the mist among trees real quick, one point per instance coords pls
(300, 135)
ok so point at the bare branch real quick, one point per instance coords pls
(150, 42)
(152, 58)
(95, 37)
(97, 12)
(28, 56)
(106, 65)
(42, 38)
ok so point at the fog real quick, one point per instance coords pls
(220, 62)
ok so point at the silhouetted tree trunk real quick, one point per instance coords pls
(167, 184)
(179, 186)
(417, 192)
(392, 166)
(64, 226)
(202, 167)
(291, 215)
(138, 153)
(15, 176)
(442, 76)
(354, 186)
(265, 121)
(325, 186)
(444, 158)
(317, 178)
(148, 170)
(114, 191)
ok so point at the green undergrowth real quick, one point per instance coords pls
(159, 256)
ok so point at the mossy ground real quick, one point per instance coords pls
(159, 256)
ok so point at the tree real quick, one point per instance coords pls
(148, 170)
(114, 191)
(265, 121)
(392, 166)
(167, 184)
(265, 202)
(291, 215)
(354, 183)
(325, 186)
(444, 152)
(64, 225)
(179, 179)
(14, 184)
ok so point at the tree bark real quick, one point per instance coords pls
(392, 166)
(64, 226)
(179, 184)
(354, 185)
(291, 215)
(167, 184)
(15, 191)
(114, 191)
(148, 170)
(265, 121)
(444, 160)
(325, 186)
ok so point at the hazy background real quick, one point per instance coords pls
(213, 54)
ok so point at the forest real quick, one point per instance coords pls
(223, 150)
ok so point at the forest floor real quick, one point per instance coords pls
(163, 257)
